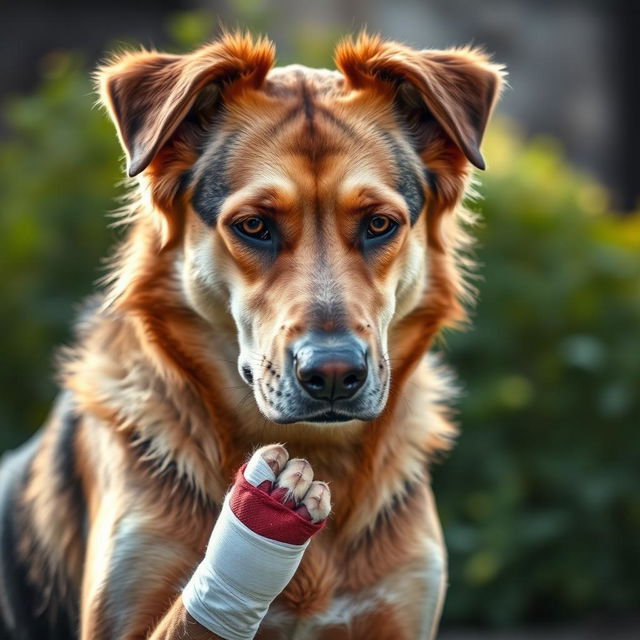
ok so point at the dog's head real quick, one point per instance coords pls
(303, 205)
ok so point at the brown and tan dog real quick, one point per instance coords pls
(294, 246)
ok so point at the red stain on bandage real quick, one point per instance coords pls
(264, 515)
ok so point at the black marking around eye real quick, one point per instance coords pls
(408, 182)
(213, 187)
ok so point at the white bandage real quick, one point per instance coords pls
(257, 471)
(242, 572)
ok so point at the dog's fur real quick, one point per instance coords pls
(107, 511)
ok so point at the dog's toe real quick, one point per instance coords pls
(275, 455)
(316, 503)
(265, 465)
(293, 482)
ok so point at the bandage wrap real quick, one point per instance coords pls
(253, 552)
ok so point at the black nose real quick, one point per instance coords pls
(331, 371)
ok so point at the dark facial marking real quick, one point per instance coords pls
(213, 186)
(432, 182)
(185, 181)
(408, 182)
(310, 108)
(341, 124)
(276, 128)
(307, 103)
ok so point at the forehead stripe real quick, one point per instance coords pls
(341, 124)
(278, 126)
(213, 185)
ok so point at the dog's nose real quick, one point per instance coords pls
(332, 371)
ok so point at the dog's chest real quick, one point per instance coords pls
(343, 613)
(319, 604)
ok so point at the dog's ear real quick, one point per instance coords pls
(149, 94)
(458, 87)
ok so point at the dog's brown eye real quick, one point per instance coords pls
(380, 226)
(254, 227)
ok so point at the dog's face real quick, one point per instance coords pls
(303, 203)
(304, 213)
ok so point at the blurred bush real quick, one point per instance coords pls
(58, 167)
(539, 498)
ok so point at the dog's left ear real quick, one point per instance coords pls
(149, 94)
(458, 87)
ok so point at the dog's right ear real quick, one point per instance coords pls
(148, 94)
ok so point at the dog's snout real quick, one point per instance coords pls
(331, 371)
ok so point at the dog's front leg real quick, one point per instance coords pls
(264, 527)
(434, 573)
(179, 625)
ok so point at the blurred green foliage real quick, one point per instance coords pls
(58, 168)
(539, 498)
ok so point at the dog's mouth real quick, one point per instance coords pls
(292, 405)
(327, 417)
(332, 416)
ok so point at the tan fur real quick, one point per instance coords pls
(164, 418)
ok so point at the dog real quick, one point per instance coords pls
(296, 240)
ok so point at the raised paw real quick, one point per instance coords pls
(265, 524)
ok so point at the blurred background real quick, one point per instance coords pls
(540, 499)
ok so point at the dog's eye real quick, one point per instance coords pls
(380, 226)
(254, 227)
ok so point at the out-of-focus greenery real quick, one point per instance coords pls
(58, 171)
(539, 498)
